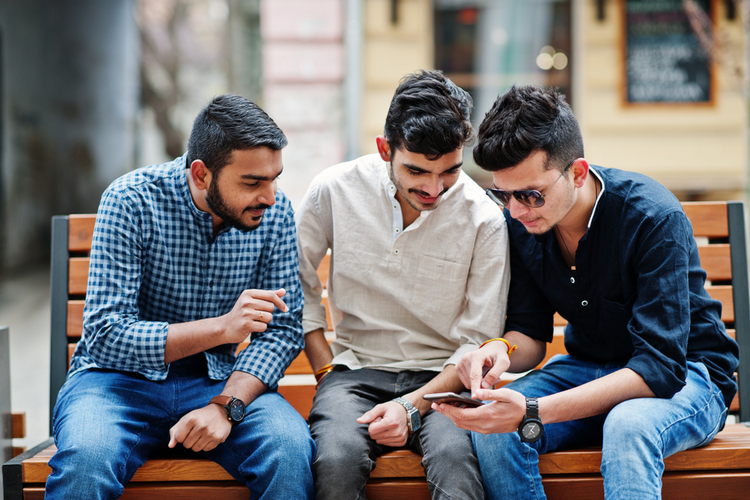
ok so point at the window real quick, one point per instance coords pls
(485, 46)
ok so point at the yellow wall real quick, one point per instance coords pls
(391, 51)
(690, 149)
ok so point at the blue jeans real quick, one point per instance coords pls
(635, 435)
(108, 423)
(346, 453)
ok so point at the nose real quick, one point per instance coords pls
(268, 195)
(516, 208)
(434, 187)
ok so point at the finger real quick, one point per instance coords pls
(172, 438)
(489, 395)
(475, 377)
(190, 440)
(492, 377)
(265, 317)
(270, 297)
(371, 416)
(176, 434)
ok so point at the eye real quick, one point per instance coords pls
(251, 185)
(413, 172)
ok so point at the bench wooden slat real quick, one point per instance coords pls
(729, 451)
(18, 425)
(75, 318)
(159, 491)
(398, 463)
(676, 486)
(380, 489)
(299, 396)
(78, 274)
(80, 231)
(716, 261)
(708, 219)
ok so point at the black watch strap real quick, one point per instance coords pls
(532, 408)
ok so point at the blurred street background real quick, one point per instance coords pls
(91, 89)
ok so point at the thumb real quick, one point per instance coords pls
(371, 415)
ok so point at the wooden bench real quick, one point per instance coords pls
(720, 470)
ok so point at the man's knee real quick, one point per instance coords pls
(86, 471)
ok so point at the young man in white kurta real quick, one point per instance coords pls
(418, 277)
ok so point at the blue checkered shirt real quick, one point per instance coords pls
(154, 262)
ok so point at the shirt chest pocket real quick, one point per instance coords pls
(439, 288)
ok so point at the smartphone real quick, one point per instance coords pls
(454, 399)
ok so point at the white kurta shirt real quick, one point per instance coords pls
(401, 298)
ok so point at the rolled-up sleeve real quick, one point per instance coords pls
(115, 337)
(660, 324)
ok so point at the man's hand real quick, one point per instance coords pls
(504, 414)
(492, 358)
(252, 313)
(387, 424)
(202, 429)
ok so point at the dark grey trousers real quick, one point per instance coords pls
(346, 453)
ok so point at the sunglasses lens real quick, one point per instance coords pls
(531, 198)
(499, 196)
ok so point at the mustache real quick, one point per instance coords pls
(262, 206)
(427, 195)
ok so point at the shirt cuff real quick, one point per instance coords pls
(453, 360)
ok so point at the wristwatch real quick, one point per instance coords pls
(531, 427)
(235, 407)
(413, 420)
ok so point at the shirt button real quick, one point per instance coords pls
(585, 303)
(397, 230)
(396, 251)
(572, 280)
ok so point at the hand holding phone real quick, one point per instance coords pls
(452, 398)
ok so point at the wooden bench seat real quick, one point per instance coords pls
(720, 470)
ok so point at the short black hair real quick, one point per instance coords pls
(230, 122)
(429, 115)
(527, 119)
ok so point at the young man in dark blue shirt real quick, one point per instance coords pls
(650, 365)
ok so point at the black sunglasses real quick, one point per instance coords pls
(528, 197)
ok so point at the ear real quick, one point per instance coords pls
(580, 171)
(201, 174)
(384, 148)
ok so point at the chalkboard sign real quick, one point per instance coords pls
(664, 60)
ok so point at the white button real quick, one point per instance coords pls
(572, 280)
(397, 230)
(396, 252)
(585, 303)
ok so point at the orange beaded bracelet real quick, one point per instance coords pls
(511, 348)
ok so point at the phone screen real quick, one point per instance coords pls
(454, 399)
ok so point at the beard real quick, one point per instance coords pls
(229, 215)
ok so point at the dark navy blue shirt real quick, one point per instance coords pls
(637, 296)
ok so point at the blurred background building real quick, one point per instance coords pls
(91, 89)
